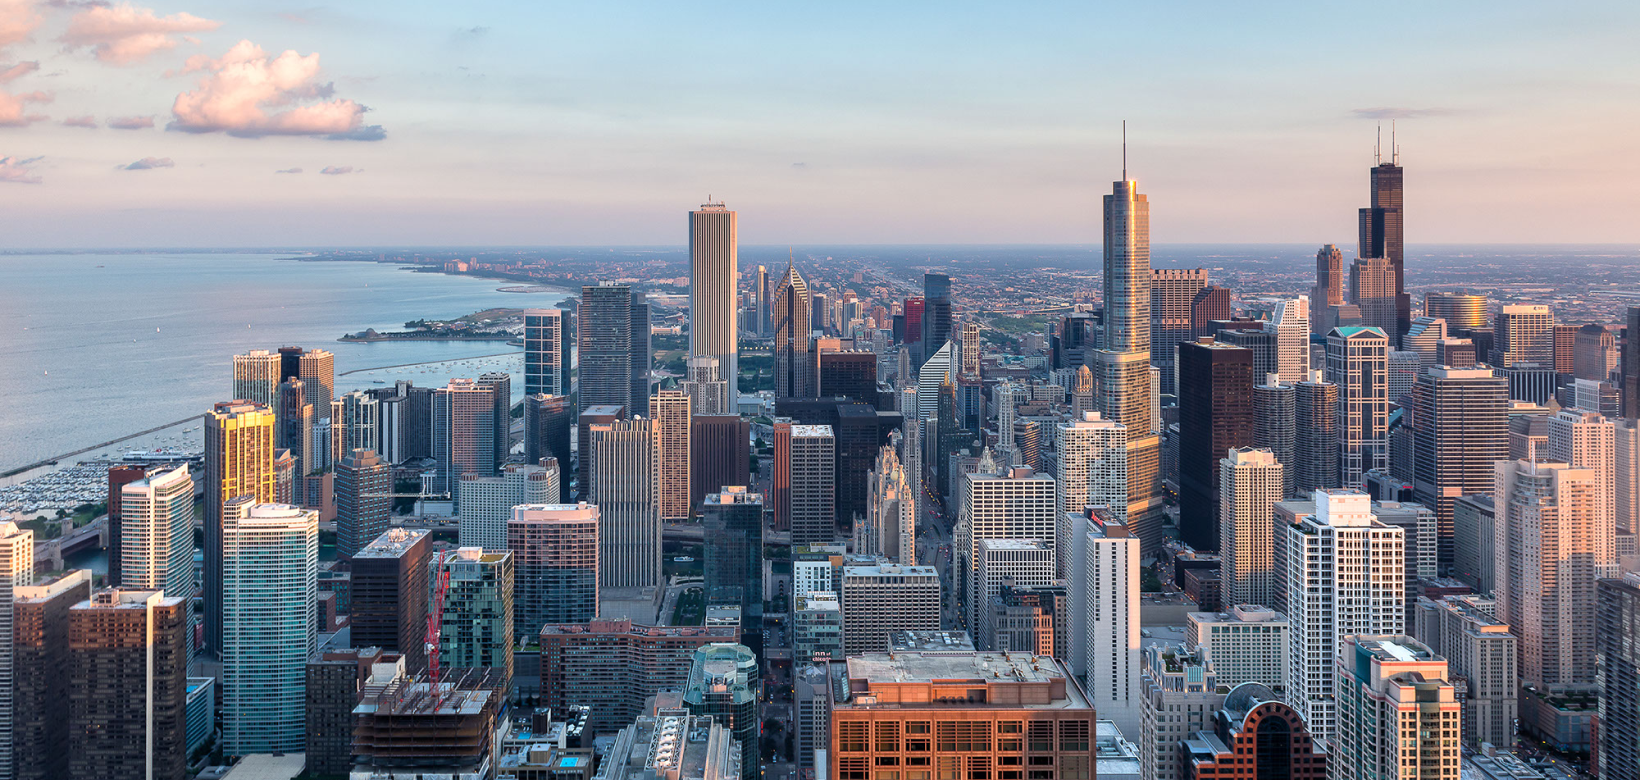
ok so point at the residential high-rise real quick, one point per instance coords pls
(879, 600)
(971, 348)
(614, 353)
(1617, 613)
(1215, 416)
(270, 589)
(546, 352)
(127, 670)
(1172, 290)
(238, 462)
(1000, 562)
(671, 464)
(1461, 311)
(389, 603)
(317, 369)
(1092, 472)
(1344, 576)
(1181, 694)
(960, 693)
(1584, 439)
(1398, 713)
(936, 319)
(40, 692)
(1255, 735)
(363, 482)
(1329, 284)
(762, 292)
(1548, 551)
(590, 416)
(707, 392)
(1525, 334)
(463, 434)
(998, 503)
(118, 478)
(295, 428)
(1459, 419)
(612, 666)
(1626, 482)
(256, 377)
(1358, 363)
(157, 533)
(1482, 653)
(1104, 632)
(500, 384)
(488, 502)
(723, 684)
(1249, 486)
(555, 565)
(1249, 643)
(804, 481)
(547, 423)
(1381, 235)
(16, 570)
(336, 682)
(714, 279)
(1372, 288)
(623, 489)
(355, 422)
(1274, 426)
(1315, 443)
(732, 526)
(794, 366)
(719, 453)
(476, 632)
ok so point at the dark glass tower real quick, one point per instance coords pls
(547, 423)
(936, 328)
(1381, 236)
(614, 348)
(1460, 427)
(1215, 416)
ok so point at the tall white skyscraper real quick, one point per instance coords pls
(1291, 325)
(1583, 439)
(1250, 484)
(1026, 563)
(998, 503)
(1104, 612)
(1345, 575)
(1358, 362)
(714, 288)
(157, 533)
(487, 502)
(270, 590)
(623, 488)
(1092, 470)
(256, 377)
(1549, 547)
(16, 571)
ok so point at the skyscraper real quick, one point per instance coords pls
(238, 462)
(1461, 311)
(1548, 551)
(555, 560)
(1398, 711)
(879, 600)
(672, 434)
(1617, 613)
(1479, 649)
(1594, 353)
(157, 533)
(1092, 472)
(1344, 575)
(1372, 287)
(614, 348)
(794, 366)
(270, 589)
(487, 502)
(1274, 426)
(1329, 284)
(1424, 339)
(40, 693)
(719, 453)
(732, 523)
(16, 570)
(118, 477)
(127, 669)
(476, 632)
(546, 352)
(1211, 303)
(623, 488)
(1585, 440)
(363, 483)
(714, 279)
(1249, 487)
(1104, 596)
(547, 423)
(296, 418)
(936, 320)
(1291, 326)
(1460, 428)
(1172, 290)
(1358, 363)
(1631, 366)
(805, 463)
(1381, 233)
(463, 434)
(500, 384)
(1315, 444)
(762, 292)
(1215, 416)
(589, 417)
(708, 393)
(998, 503)
(723, 684)
(1525, 334)
(256, 377)
(389, 602)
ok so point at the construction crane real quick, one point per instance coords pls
(435, 621)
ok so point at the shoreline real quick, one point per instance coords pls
(413, 337)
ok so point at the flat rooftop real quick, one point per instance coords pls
(890, 570)
(921, 680)
(904, 641)
(393, 543)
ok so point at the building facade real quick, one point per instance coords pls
(127, 686)
(270, 623)
(555, 565)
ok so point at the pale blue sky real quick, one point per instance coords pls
(589, 123)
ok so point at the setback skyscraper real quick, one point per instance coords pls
(936, 327)
(714, 282)
(1329, 285)
(1381, 233)
(1358, 363)
(794, 368)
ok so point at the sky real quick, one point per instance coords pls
(234, 123)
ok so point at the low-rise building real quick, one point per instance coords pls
(613, 666)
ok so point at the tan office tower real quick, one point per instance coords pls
(1291, 325)
(1548, 550)
(1172, 290)
(794, 368)
(713, 284)
(317, 370)
(238, 462)
(256, 377)
(1524, 334)
(1358, 362)
(623, 489)
(999, 503)
(1329, 284)
(970, 348)
(1460, 310)
(1092, 471)
(1398, 714)
(1250, 484)
(671, 425)
(1372, 287)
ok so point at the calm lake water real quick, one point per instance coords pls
(98, 346)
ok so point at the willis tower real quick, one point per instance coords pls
(1381, 236)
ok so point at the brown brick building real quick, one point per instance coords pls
(40, 703)
(121, 643)
(335, 684)
(389, 595)
(1255, 737)
(1006, 716)
(612, 666)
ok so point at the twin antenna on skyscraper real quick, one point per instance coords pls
(1124, 150)
(1377, 146)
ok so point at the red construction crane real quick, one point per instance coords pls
(435, 620)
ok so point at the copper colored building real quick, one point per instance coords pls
(1255, 737)
(389, 595)
(1008, 716)
(128, 685)
(40, 690)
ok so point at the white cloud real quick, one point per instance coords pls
(289, 170)
(16, 170)
(124, 34)
(17, 21)
(14, 108)
(131, 122)
(337, 170)
(248, 94)
(20, 69)
(149, 163)
(81, 121)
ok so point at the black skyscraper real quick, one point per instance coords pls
(936, 325)
(1381, 236)
(547, 422)
(614, 348)
(1215, 416)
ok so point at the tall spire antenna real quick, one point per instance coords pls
(1394, 149)
(1377, 147)
(1124, 150)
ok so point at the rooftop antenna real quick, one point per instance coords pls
(1124, 150)
(1377, 153)
(1394, 149)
